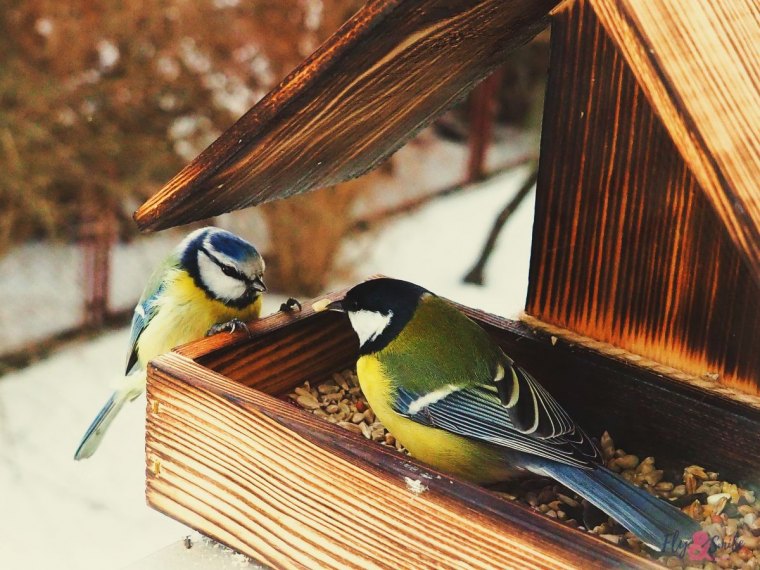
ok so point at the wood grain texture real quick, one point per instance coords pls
(698, 63)
(293, 491)
(384, 75)
(627, 248)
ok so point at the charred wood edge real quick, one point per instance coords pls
(169, 207)
(637, 279)
(249, 127)
(552, 536)
(637, 360)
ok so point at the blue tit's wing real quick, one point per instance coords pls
(523, 417)
(147, 307)
(144, 312)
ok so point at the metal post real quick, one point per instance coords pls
(97, 235)
(482, 105)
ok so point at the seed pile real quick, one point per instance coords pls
(340, 401)
(729, 514)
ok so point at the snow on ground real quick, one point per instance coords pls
(57, 513)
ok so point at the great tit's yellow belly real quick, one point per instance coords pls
(448, 452)
(185, 314)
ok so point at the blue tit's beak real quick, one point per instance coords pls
(258, 285)
(336, 306)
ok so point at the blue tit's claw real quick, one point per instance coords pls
(230, 326)
(291, 306)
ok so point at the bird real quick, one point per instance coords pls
(212, 282)
(446, 391)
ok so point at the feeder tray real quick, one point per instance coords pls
(226, 455)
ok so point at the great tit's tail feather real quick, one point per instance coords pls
(94, 434)
(657, 523)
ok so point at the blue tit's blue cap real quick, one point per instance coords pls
(231, 245)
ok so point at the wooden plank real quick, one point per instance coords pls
(698, 63)
(293, 491)
(627, 248)
(383, 76)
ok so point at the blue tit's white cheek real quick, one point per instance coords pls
(369, 325)
(220, 285)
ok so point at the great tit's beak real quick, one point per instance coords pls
(258, 284)
(326, 305)
(336, 306)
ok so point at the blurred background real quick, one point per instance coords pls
(101, 102)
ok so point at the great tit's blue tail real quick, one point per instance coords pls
(657, 523)
(133, 387)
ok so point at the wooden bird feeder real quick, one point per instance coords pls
(643, 301)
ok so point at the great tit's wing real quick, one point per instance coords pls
(147, 307)
(531, 408)
(473, 389)
(480, 412)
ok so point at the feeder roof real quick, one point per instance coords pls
(397, 64)
(384, 75)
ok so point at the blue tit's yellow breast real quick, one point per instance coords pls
(185, 314)
(443, 450)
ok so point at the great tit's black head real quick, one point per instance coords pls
(379, 309)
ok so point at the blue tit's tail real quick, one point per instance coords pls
(656, 522)
(134, 386)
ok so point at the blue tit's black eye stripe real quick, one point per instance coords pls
(228, 270)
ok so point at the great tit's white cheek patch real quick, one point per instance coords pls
(221, 286)
(368, 325)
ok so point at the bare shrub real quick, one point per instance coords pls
(112, 98)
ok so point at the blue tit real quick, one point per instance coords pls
(449, 394)
(211, 282)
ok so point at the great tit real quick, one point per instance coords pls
(449, 394)
(211, 282)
